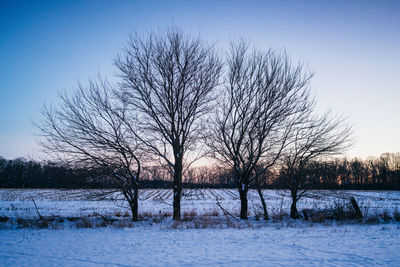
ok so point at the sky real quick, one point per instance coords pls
(353, 47)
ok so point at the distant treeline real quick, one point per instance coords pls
(22, 173)
(381, 173)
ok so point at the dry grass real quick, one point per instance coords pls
(214, 213)
(339, 213)
(278, 216)
(4, 218)
(396, 215)
(189, 216)
(146, 214)
(85, 223)
(118, 213)
(372, 219)
(386, 217)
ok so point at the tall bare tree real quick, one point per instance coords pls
(169, 78)
(89, 130)
(263, 93)
(314, 138)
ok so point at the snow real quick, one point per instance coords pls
(54, 202)
(270, 246)
(284, 243)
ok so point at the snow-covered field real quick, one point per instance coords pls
(54, 202)
(285, 243)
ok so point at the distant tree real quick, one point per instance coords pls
(90, 130)
(314, 138)
(389, 168)
(262, 94)
(169, 79)
(344, 176)
(3, 175)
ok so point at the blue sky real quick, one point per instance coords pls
(352, 46)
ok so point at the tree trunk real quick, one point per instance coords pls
(133, 203)
(356, 208)
(264, 205)
(294, 214)
(135, 207)
(177, 189)
(134, 211)
(243, 204)
(242, 188)
(177, 204)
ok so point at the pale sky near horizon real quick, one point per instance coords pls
(352, 46)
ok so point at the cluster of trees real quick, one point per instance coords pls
(20, 173)
(177, 100)
(382, 173)
(372, 173)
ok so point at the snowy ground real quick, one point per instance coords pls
(349, 245)
(251, 243)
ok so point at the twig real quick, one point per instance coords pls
(226, 213)
(102, 216)
(34, 203)
(163, 202)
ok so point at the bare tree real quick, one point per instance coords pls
(263, 92)
(314, 138)
(169, 78)
(89, 130)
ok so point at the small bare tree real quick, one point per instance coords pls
(263, 92)
(314, 138)
(89, 130)
(169, 78)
